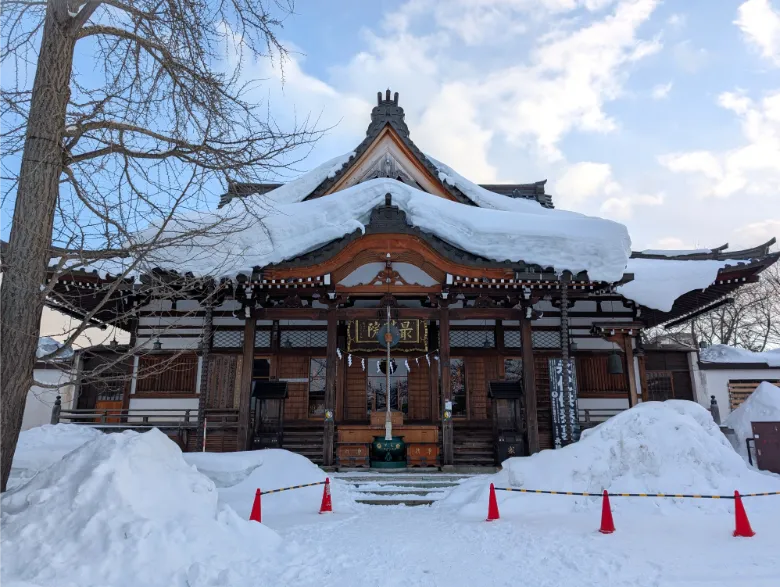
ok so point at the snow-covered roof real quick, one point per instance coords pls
(724, 354)
(256, 234)
(47, 347)
(658, 283)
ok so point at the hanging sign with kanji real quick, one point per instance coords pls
(412, 335)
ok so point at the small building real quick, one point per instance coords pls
(54, 370)
(731, 374)
(472, 286)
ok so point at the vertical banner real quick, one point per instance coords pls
(566, 424)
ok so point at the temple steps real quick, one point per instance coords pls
(400, 488)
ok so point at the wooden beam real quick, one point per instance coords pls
(330, 387)
(291, 314)
(529, 385)
(446, 390)
(368, 313)
(629, 351)
(244, 402)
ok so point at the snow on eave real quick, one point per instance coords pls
(528, 233)
(725, 354)
(674, 253)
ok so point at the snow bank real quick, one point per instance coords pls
(669, 447)
(238, 476)
(42, 446)
(721, 353)
(126, 509)
(658, 283)
(252, 235)
(763, 405)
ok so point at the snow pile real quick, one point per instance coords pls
(126, 509)
(658, 283)
(238, 475)
(721, 353)
(669, 447)
(251, 235)
(763, 405)
(42, 446)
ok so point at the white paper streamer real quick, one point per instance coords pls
(338, 352)
(406, 364)
(349, 359)
(363, 364)
(427, 358)
(378, 367)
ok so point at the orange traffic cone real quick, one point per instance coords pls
(326, 505)
(492, 505)
(742, 523)
(607, 525)
(256, 516)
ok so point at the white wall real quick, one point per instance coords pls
(37, 409)
(716, 382)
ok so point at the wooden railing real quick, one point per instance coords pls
(590, 417)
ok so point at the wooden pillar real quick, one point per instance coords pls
(433, 374)
(244, 402)
(628, 348)
(529, 385)
(446, 390)
(205, 354)
(330, 388)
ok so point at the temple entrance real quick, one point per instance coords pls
(376, 383)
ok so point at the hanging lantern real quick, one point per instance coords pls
(114, 343)
(572, 346)
(614, 364)
(157, 345)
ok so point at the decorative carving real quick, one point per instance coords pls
(292, 301)
(484, 301)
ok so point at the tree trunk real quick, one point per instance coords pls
(29, 244)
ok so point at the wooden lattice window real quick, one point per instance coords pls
(167, 374)
(740, 389)
(660, 386)
(317, 369)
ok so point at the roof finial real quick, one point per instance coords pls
(378, 98)
(395, 98)
(387, 95)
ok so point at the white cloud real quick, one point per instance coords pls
(586, 181)
(760, 24)
(754, 167)
(757, 232)
(677, 20)
(661, 91)
(689, 58)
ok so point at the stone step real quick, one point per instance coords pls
(402, 491)
(408, 502)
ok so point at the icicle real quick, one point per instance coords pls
(338, 352)
(349, 359)
(363, 364)
(406, 364)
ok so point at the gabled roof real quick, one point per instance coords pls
(387, 113)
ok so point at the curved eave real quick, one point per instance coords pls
(720, 253)
(729, 279)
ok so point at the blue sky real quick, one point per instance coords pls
(662, 115)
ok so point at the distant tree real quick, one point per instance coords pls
(142, 133)
(752, 322)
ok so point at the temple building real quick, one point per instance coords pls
(511, 325)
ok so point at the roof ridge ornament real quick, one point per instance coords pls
(387, 111)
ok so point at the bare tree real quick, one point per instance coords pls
(752, 321)
(136, 111)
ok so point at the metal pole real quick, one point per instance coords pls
(388, 420)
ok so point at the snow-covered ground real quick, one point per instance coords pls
(130, 510)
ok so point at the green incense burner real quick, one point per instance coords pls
(388, 454)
